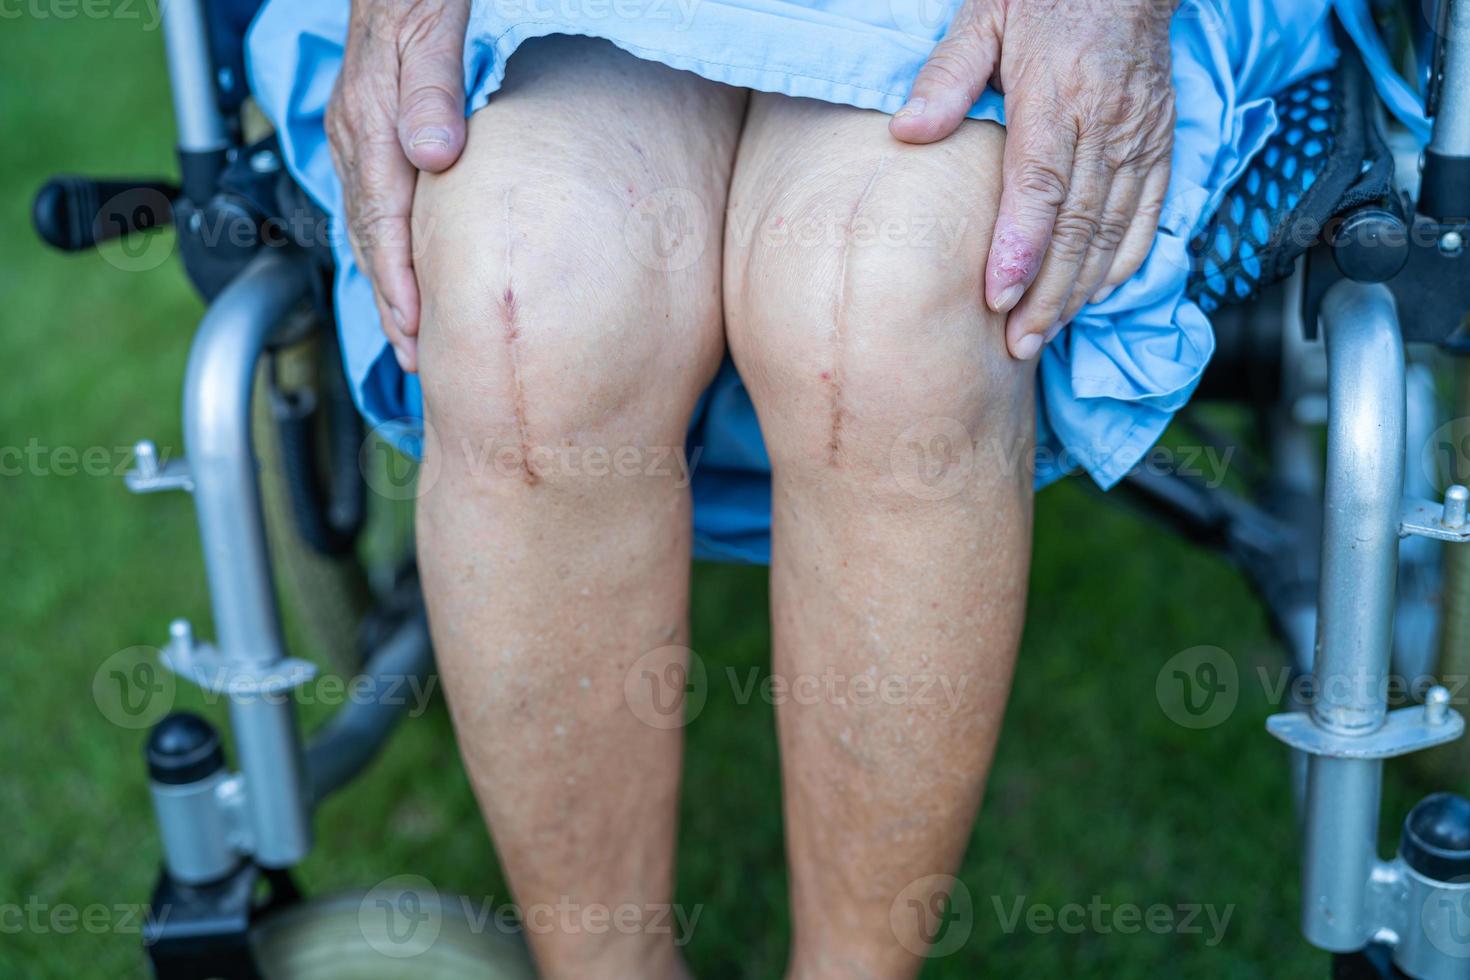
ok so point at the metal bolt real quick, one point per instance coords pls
(1437, 705)
(265, 162)
(1456, 500)
(145, 456)
(1451, 242)
(226, 79)
(181, 635)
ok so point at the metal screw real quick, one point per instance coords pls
(181, 635)
(1456, 499)
(145, 456)
(265, 162)
(1451, 242)
(1437, 705)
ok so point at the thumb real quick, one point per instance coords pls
(431, 96)
(952, 79)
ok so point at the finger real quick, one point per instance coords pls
(1076, 225)
(431, 101)
(380, 203)
(1112, 226)
(1036, 173)
(377, 181)
(951, 80)
(1138, 240)
(405, 348)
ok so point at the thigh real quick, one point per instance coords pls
(853, 281)
(573, 252)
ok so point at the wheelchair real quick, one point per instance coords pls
(1340, 312)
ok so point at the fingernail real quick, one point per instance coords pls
(430, 136)
(913, 107)
(402, 359)
(398, 319)
(1102, 293)
(1009, 297)
(1028, 346)
(1052, 332)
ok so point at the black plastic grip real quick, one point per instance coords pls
(74, 214)
(1444, 188)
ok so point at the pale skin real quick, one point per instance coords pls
(598, 236)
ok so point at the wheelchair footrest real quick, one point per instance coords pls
(1403, 731)
(1442, 522)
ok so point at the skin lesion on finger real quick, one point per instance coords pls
(1013, 258)
(1013, 263)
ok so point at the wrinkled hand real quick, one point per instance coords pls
(1089, 127)
(398, 108)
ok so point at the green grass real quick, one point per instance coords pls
(1095, 791)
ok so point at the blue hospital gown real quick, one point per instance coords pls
(1108, 385)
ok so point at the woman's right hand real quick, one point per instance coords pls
(398, 108)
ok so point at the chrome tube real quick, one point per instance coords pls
(194, 830)
(217, 437)
(1452, 115)
(347, 742)
(201, 128)
(1362, 494)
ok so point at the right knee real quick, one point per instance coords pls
(543, 334)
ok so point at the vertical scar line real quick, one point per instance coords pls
(839, 303)
(510, 318)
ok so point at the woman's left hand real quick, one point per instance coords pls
(1089, 128)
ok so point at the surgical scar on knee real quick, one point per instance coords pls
(833, 378)
(509, 310)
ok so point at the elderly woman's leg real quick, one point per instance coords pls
(570, 322)
(899, 430)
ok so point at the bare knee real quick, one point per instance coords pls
(867, 356)
(543, 334)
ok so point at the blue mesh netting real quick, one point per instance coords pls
(1233, 254)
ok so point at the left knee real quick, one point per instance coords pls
(861, 352)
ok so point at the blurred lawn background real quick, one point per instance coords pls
(1096, 794)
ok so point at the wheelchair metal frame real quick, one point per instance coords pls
(220, 829)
